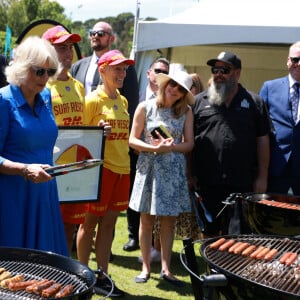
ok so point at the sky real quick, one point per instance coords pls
(82, 10)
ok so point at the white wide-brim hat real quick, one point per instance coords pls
(182, 78)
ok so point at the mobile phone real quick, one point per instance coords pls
(162, 131)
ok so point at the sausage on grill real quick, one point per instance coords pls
(226, 245)
(241, 248)
(38, 289)
(52, 290)
(5, 275)
(65, 291)
(262, 253)
(256, 252)
(284, 257)
(22, 285)
(270, 255)
(234, 246)
(248, 250)
(16, 278)
(29, 289)
(217, 244)
(291, 258)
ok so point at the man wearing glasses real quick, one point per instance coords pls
(159, 65)
(281, 96)
(231, 153)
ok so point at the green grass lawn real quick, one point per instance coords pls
(125, 267)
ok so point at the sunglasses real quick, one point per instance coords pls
(100, 33)
(157, 71)
(222, 70)
(39, 72)
(172, 83)
(294, 60)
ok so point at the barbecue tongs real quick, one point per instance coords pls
(229, 201)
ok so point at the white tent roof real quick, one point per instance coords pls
(224, 21)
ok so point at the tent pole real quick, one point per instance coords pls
(136, 20)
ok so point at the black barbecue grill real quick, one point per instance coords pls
(249, 278)
(34, 264)
(269, 213)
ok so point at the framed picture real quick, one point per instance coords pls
(76, 144)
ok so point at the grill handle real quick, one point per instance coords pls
(214, 280)
(230, 201)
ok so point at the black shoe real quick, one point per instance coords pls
(131, 245)
(111, 257)
(173, 281)
(107, 287)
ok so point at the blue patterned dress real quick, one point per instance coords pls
(160, 186)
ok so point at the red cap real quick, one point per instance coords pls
(58, 35)
(114, 57)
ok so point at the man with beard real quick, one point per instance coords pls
(231, 153)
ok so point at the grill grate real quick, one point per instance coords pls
(270, 274)
(39, 271)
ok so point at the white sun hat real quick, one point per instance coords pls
(182, 78)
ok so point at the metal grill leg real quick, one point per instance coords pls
(193, 266)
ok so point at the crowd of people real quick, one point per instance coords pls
(163, 143)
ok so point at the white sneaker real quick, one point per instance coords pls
(154, 254)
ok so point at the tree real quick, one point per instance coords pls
(18, 14)
(21, 13)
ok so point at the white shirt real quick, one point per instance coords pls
(90, 74)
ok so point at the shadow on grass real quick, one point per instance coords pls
(177, 269)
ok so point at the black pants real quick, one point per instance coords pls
(133, 217)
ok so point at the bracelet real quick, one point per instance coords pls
(25, 171)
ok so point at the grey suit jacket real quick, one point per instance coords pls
(79, 70)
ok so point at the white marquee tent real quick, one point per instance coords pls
(259, 31)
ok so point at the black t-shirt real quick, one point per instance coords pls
(225, 139)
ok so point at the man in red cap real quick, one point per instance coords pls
(67, 105)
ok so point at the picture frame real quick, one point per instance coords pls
(77, 143)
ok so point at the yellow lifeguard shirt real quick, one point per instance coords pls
(67, 102)
(98, 106)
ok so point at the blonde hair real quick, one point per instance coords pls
(197, 83)
(33, 51)
(179, 108)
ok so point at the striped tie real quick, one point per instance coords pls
(294, 98)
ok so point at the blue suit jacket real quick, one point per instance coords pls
(285, 139)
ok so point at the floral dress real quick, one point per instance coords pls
(160, 186)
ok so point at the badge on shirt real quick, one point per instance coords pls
(245, 103)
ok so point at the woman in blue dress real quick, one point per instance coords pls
(160, 186)
(29, 207)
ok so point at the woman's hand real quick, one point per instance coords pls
(36, 173)
(107, 127)
(163, 145)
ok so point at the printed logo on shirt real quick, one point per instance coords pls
(119, 129)
(245, 103)
(72, 121)
(67, 108)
